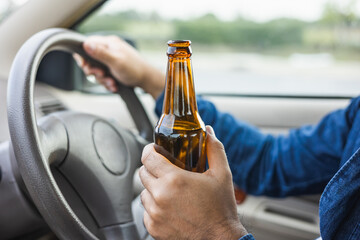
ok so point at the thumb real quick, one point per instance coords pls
(99, 52)
(215, 152)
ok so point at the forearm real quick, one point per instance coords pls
(153, 81)
(301, 162)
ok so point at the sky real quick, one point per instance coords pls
(258, 10)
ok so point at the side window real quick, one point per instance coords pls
(9, 6)
(259, 47)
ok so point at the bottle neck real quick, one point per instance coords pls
(180, 99)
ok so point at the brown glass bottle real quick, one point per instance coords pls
(180, 133)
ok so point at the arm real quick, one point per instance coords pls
(300, 163)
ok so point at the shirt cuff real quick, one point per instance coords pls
(247, 237)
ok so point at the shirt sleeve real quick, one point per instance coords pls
(301, 162)
(247, 237)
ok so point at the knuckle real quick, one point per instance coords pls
(150, 226)
(142, 198)
(144, 159)
(172, 180)
(154, 213)
(219, 145)
(158, 196)
(175, 181)
(141, 173)
(161, 197)
(146, 153)
(227, 175)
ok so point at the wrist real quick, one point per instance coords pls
(153, 81)
(233, 231)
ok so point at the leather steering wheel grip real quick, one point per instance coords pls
(26, 136)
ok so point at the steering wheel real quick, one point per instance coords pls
(77, 168)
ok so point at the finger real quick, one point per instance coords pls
(98, 72)
(149, 204)
(101, 81)
(89, 70)
(113, 89)
(215, 152)
(110, 84)
(86, 69)
(79, 60)
(147, 179)
(99, 51)
(148, 222)
(155, 163)
(108, 81)
(147, 200)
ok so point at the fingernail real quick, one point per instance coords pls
(78, 60)
(210, 130)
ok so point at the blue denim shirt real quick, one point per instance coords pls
(322, 158)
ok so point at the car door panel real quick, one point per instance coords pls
(293, 217)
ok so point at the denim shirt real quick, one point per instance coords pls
(322, 158)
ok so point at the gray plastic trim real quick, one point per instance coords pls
(17, 215)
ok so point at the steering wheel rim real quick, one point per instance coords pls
(26, 140)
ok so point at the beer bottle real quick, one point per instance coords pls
(180, 133)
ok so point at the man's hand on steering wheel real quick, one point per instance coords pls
(124, 63)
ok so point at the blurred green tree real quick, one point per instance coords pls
(334, 15)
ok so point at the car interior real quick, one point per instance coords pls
(51, 111)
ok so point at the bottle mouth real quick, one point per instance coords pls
(179, 43)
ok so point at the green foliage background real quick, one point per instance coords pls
(337, 32)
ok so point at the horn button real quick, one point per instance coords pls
(110, 147)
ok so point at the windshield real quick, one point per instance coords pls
(256, 47)
(8, 6)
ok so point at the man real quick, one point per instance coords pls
(312, 159)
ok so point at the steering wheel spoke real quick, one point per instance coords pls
(54, 139)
